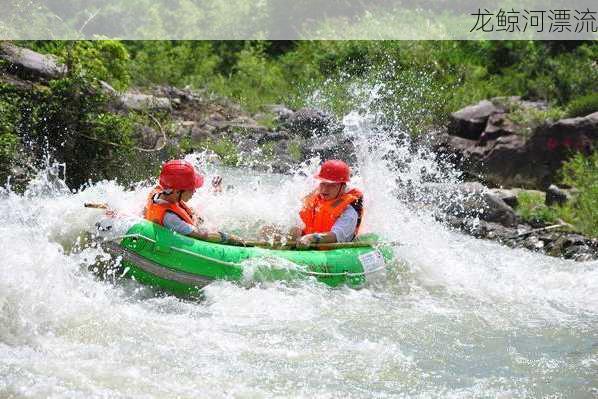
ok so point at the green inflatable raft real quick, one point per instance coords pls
(182, 265)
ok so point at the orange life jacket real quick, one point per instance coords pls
(319, 215)
(155, 211)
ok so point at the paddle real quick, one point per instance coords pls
(293, 245)
(267, 244)
(96, 205)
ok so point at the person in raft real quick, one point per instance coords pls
(332, 212)
(167, 203)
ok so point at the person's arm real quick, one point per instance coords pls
(344, 227)
(343, 230)
(216, 236)
(173, 222)
(315, 239)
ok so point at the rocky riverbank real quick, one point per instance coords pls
(505, 146)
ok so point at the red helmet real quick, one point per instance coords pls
(180, 175)
(334, 171)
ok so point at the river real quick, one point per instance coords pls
(454, 317)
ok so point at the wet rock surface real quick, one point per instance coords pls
(481, 212)
(490, 147)
(29, 64)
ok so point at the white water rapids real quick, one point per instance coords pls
(456, 317)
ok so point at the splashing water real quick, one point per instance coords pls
(456, 317)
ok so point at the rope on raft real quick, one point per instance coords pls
(239, 265)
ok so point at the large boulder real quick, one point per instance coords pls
(510, 158)
(308, 122)
(468, 200)
(282, 113)
(498, 125)
(331, 146)
(30, 64)
(470, 121)
(509, 196)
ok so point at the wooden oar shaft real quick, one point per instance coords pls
(96, 205)
(293, 245)
(287, 244)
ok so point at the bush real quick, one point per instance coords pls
(583, 106)
(225, 149)
(530, 118)
(8, 137)
(256, 80)
(175, 63)
(106, 60)
(68, 121)
(531, 207)
(581, 172)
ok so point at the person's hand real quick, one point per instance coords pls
(217, 184)
(305, 241)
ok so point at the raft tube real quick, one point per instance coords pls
(181, 265)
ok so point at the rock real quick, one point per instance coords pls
(308, 122)
(508, 196)
(216, 118)
(488, 146)
(107, 89)
(558, 247)
(553, 144)
(148, 138)
(516, 160)
(273, 136)
(200, 133)
(330, 147)
(498, 125)
(175, 93)
(470, 122)
(30, 64)
(556, 196)
(534, 243)
(469, 200)
(496, 210)
(578, 252)
(282, 113)
(143, 102)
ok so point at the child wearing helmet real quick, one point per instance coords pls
(331, 213)
(167, 203)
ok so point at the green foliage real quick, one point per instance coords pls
(581, 172)
(8, 137)
(530, 118)
(583, 106)
(67, 120)
(266, 120)
(255, 81)
(531, 207)
(414, 85)
(178, 63)
(295, 151)
(225, 149)
(418, 83)
(106, 60)
(8, 119)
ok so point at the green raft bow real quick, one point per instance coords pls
(181, 265)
